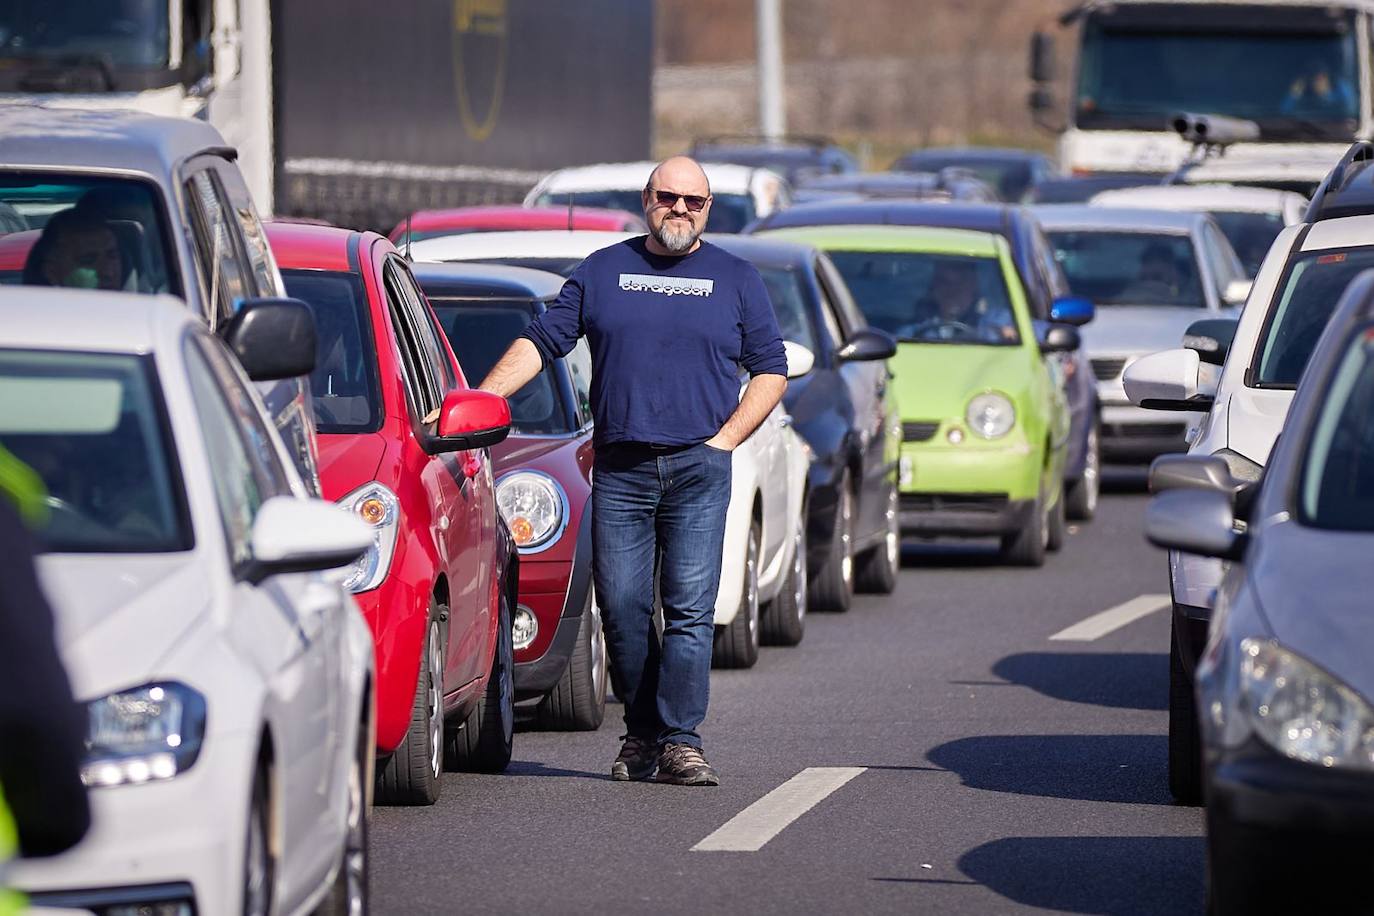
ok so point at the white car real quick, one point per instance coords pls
(1151, 273)
(764, 571)
(1250, 218)
(739, 194)
(1247, 380)
(226, 675)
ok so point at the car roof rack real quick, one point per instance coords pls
(1338, 195)
(812, 140)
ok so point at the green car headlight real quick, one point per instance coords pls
(990, 415)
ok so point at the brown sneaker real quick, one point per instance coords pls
(638, 757)
(683, 765)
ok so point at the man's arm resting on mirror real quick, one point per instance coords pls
(760, 397)
(514, 370)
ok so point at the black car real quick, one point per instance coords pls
(796, 158)
(1012, 173)
(1046, 289)
(946, 184)
(846, 412)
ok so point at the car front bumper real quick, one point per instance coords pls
(170, 840)
(1257, 787)
(967, 490)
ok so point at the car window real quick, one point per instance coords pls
(1311, 287)
(84, 231)
(579, 361)
(1129, 268)
(931, 298)
(1250, 234)
(790, 305)
(344, 391)
(1338, 474)
(262, 267)
(268, 461)
(94, 429)
(1223, 261)
(847, 311)
(1043, 253)
(428, 331)
(241, 483)
(218, 259)
(421, 386)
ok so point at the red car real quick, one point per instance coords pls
(403, 444)
(428, 224)
(543, 486)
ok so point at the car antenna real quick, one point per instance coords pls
(408, 258)
(571, 196)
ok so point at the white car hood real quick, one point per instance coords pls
(1138, 330)
(119, 615)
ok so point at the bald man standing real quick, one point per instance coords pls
(671, 321)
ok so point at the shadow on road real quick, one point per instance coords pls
(1124, 876)
(1127, 680)
(1125, 478)
(534, 768)
(1128, 769)
(950, 554)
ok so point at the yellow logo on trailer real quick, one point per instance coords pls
(479, 63)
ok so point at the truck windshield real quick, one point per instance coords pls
(83, 231)
(1293, 84)
(114, 33)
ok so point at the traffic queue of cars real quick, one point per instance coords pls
(274, 425)
(1267, 522)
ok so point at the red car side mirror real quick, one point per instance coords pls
(471, 419)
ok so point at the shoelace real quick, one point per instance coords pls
(684, 755)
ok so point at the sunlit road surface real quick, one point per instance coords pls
(936, 751)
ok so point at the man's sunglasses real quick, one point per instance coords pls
(669, 199)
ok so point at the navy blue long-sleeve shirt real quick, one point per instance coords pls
(668, 337)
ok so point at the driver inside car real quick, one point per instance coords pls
(953, 309)
(76, 250)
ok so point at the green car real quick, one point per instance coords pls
(985, 423)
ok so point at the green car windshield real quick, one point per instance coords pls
(931, 298)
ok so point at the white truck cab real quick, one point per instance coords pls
(205, 59)
(1299, 69)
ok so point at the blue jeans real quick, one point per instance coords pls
(660, 510)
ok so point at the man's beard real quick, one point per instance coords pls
(678, 236)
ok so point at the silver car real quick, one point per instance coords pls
(1285, 689)
(226, 675)
(1151, 273)
(125, 201)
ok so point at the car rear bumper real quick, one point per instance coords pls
(1133, 433)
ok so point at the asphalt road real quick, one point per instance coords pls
(1002, 771)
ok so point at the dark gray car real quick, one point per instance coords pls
(1284, 687)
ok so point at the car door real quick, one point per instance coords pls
(448, 480)
(869, 392)
(292, 624)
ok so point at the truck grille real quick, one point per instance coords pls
(1108, 368)
(918, 430)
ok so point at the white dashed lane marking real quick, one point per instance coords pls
(749, 830)
(1112, 619)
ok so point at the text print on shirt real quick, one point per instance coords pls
(669, 286)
